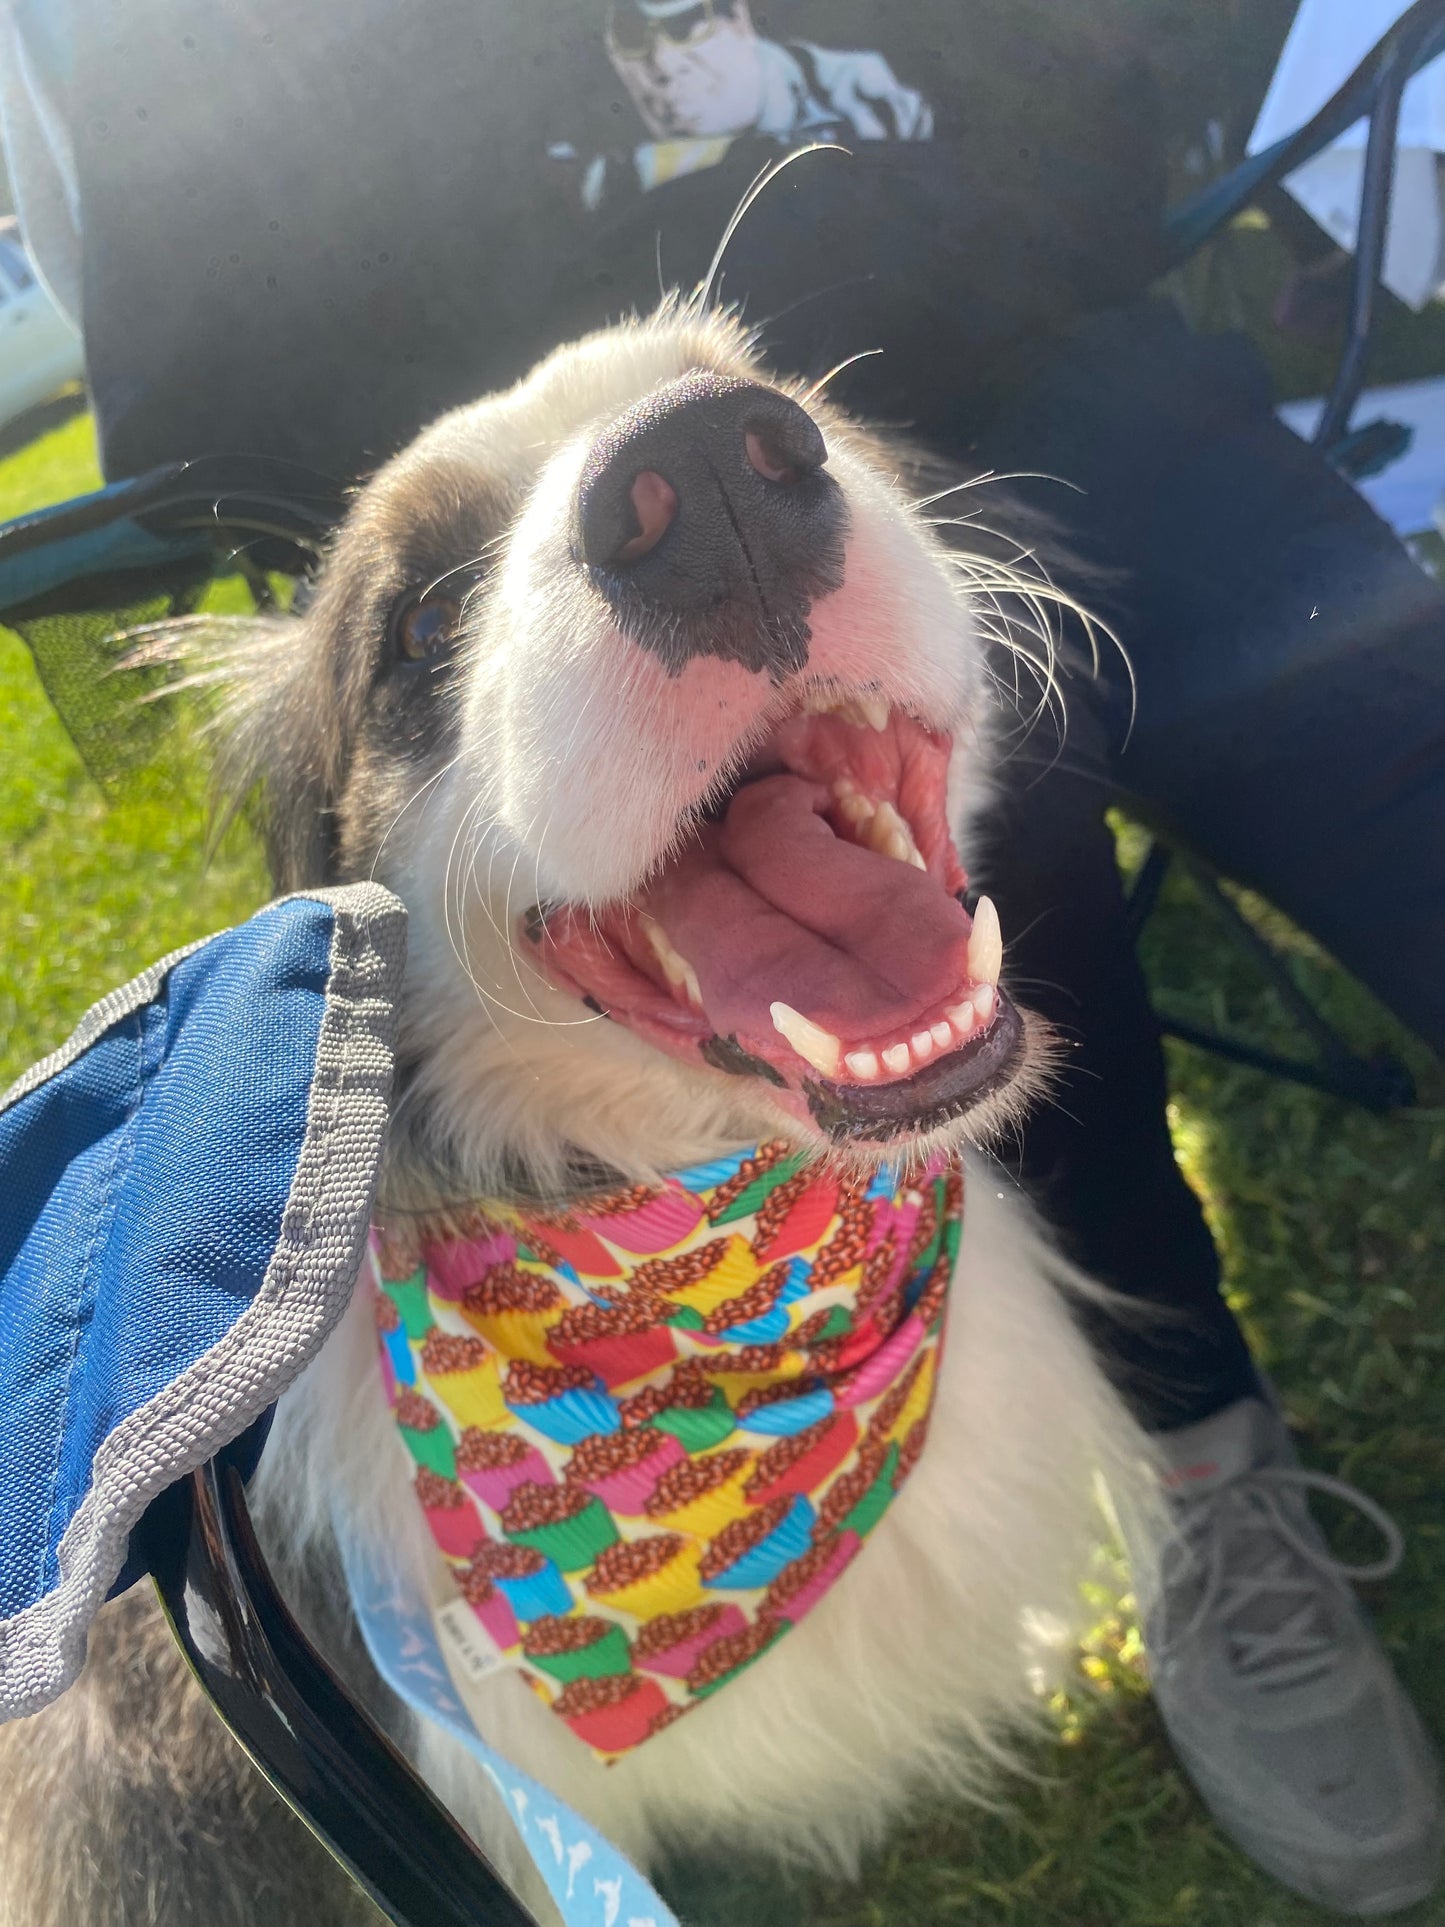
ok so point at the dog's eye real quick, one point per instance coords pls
(425, 626)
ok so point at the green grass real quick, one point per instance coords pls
(1332, 1226)
(92, 893)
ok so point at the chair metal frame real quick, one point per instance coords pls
(1380, 1082)
(301, 1728)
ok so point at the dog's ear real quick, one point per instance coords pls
(272, 726)
(280, 746)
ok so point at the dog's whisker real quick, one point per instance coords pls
(812, 393)
(473, 562)
(1016, 739)
(465, 875)
(493, 1002)
(990, 477)
(458, 947)
(416, 795)
(1042, 588)
(698, 301)
(1001, 624)
(508, 924)
(460, 872)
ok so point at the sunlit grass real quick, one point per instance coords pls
(92, 892)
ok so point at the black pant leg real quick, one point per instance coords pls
(1096, 1155)
(1289, 654)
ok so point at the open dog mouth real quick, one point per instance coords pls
(810, 930)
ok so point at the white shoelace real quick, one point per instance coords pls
(1291, 1639)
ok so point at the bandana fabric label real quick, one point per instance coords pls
(651, 1431)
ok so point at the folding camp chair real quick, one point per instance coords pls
(73, 575)
(1381, 1082)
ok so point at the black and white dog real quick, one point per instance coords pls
(653, 689)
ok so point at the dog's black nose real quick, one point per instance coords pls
(707, 519)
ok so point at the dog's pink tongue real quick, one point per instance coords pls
(775, 907)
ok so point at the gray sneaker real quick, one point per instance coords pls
(1278, 1697)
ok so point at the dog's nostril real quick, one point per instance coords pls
(769, 463)
(785, 445)
(654, 502)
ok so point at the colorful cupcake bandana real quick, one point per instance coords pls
(652, 1430)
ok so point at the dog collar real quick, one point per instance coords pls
(650, 1431)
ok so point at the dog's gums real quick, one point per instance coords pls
(808, 928)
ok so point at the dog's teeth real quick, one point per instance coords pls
(853, 806)
(661, 945)
(675, 967)
(859, 712)
(942, 1034)
(888, 833)
(961, 1017)
(863, 1064)
(983, 1000)
(886, 822)
(895, 1058)
(817, 1046)
(922, 1044)
(985, 944)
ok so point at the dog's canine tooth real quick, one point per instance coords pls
(817, 1046)
(875, 712)
(863, 1064)
(985, 944)
(693, 988)
(896, 1058)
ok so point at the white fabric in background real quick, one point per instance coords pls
(1407, 493)
(1328, 40)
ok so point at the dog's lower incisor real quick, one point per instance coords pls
(658, 691)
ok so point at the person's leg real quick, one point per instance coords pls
(1289, 654)
(1291, 670)
(1267, 1674)
(1096, 1155)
